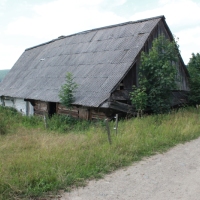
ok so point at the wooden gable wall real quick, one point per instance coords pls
(121, 94)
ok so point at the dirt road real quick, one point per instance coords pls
(169, 176)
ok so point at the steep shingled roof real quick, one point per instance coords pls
(98, 59)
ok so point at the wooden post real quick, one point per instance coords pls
(108, 131)
(45, 122)
(116, 123)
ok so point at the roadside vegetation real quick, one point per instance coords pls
(194, 81)
(37, 162)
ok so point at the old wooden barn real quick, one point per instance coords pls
(103, 61)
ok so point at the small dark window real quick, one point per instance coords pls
(121, 86)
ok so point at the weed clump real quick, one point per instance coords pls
(3, 127)
(5, 114)
(65, 124)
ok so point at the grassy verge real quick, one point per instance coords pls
(34, 161)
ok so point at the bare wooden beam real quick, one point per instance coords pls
(116, 105)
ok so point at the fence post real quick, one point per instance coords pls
(108, 131)
(116, 123)
(45, 121)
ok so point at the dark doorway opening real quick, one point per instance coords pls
(52, 108)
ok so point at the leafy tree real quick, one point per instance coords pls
(194, 80)
(139, 99)
(66, 93)
(157, 73)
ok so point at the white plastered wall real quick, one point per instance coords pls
(22, 106)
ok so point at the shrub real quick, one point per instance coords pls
(3, 127)
(66, 93)
(139, 98)
(158, 74)
(194, 81)
(32, 121)
(65, 123)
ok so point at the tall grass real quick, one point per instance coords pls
(65, 124)
(36, 162)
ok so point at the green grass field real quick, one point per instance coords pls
(35, 162)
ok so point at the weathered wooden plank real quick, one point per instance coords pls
(97, 117)
(116, 105)
(40, 108)
(130, 79)
(120, 95)
(93, 112)
(66, 110)
(84, 113)
(39, 105)
(73, 114)
(179, 98)
(62, 107)
(40, 113)
(97, 114)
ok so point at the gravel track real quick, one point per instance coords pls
(168, 176)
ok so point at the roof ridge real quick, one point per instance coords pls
(95, 29)
(120, 24)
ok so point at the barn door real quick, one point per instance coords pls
(51, 108)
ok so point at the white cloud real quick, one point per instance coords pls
(119, 2)
(9, 55)
(162, 2)
(182, 17)
(179, 13)
(3, 2)
(2, 6)
(190, 42)
(63, 17)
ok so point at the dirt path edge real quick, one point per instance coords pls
(171, 175)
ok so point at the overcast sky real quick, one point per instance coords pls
(27, 23)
